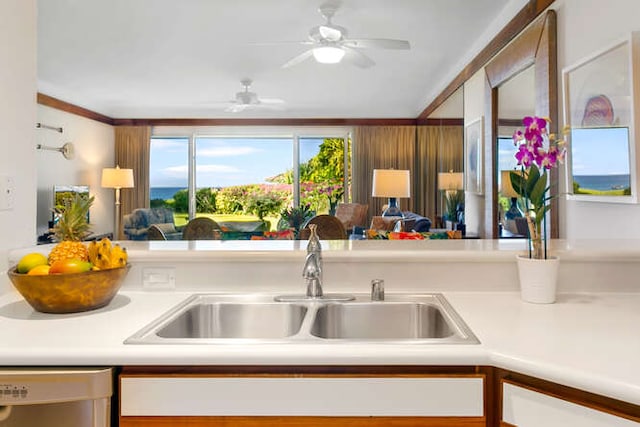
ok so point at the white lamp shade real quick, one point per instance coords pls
(328, 54)
(451, 181)
(505, 184)
(117, 178)
(391, 183)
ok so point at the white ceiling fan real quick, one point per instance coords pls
(330, 43)
(245, 99)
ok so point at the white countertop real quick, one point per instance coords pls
(585, 340)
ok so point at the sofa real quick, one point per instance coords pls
(414, 222)
(136, 224)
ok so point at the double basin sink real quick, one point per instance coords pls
(216, 319)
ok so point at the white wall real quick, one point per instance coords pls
(606, 23)
(94, 150)
(473, 109)
(17, 124)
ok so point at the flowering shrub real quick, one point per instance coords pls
(538, 152)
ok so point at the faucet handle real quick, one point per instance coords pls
(377, 290)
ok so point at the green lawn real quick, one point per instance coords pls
(181, 218)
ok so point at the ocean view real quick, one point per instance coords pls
(163, 193)
(603, 182)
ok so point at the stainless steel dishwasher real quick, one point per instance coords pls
(52, 397)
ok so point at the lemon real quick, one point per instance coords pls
(31, 260)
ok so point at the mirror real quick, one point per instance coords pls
(534, 49)
(516, 99)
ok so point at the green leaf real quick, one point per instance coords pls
(533, 176)
(538, 191)
(518, 183)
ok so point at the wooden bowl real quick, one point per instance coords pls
(69, 293)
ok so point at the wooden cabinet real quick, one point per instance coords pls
(351, 398)
(524, 407)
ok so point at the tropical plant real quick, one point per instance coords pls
(263, 205)
(452, 200)
(295, 217)
(206, 200)
(181, 201)
(538, 152)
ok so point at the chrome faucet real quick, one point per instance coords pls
(312, 270)
(312, 273)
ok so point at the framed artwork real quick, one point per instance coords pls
(473, 137)
(598, 112)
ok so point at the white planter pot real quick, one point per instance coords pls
(538, 279)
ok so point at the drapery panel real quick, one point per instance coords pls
(438, 149)
(381, 147)
(132, 149)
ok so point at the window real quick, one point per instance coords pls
(255, 176)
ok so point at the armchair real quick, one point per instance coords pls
(136, 224)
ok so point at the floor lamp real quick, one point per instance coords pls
(117, 178)
(391, 183)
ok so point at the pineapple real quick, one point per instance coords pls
(71, 228)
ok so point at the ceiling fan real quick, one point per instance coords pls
(330, 43)
(245, 99)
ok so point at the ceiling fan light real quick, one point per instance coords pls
(328, 54)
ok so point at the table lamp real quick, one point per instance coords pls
(507, 191)
(450, 182)
(391, 183)
(117, 178)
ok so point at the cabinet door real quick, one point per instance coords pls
(305, 401)
(526, 408)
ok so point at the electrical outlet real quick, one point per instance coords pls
(159, 278)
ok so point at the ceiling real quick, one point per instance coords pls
(182, 59)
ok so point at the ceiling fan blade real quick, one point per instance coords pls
(271, 101)
(298, 59)
(268, 43)
(378, 43)
(236, 108)
(357, 58)
(330, 33)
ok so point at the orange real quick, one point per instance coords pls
(39, 270)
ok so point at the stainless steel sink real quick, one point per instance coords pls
(219, 319)
(235, 320)
(381, 320)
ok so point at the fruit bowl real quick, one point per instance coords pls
(69, 293)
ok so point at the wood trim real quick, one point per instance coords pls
(307, 370)
(266, 122)
(510, 122)
(523, 18)
(303, 421)
(58, 104)
(506, 424)
(594, 401)
(440, 122)
(535, 45)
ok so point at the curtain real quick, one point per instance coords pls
(438, 149)
(132, 146)
(381, 147)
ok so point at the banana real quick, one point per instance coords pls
(118, 256)
(104, 255)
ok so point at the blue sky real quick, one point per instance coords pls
(600, 151)
(592, 151)
(221, 162)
